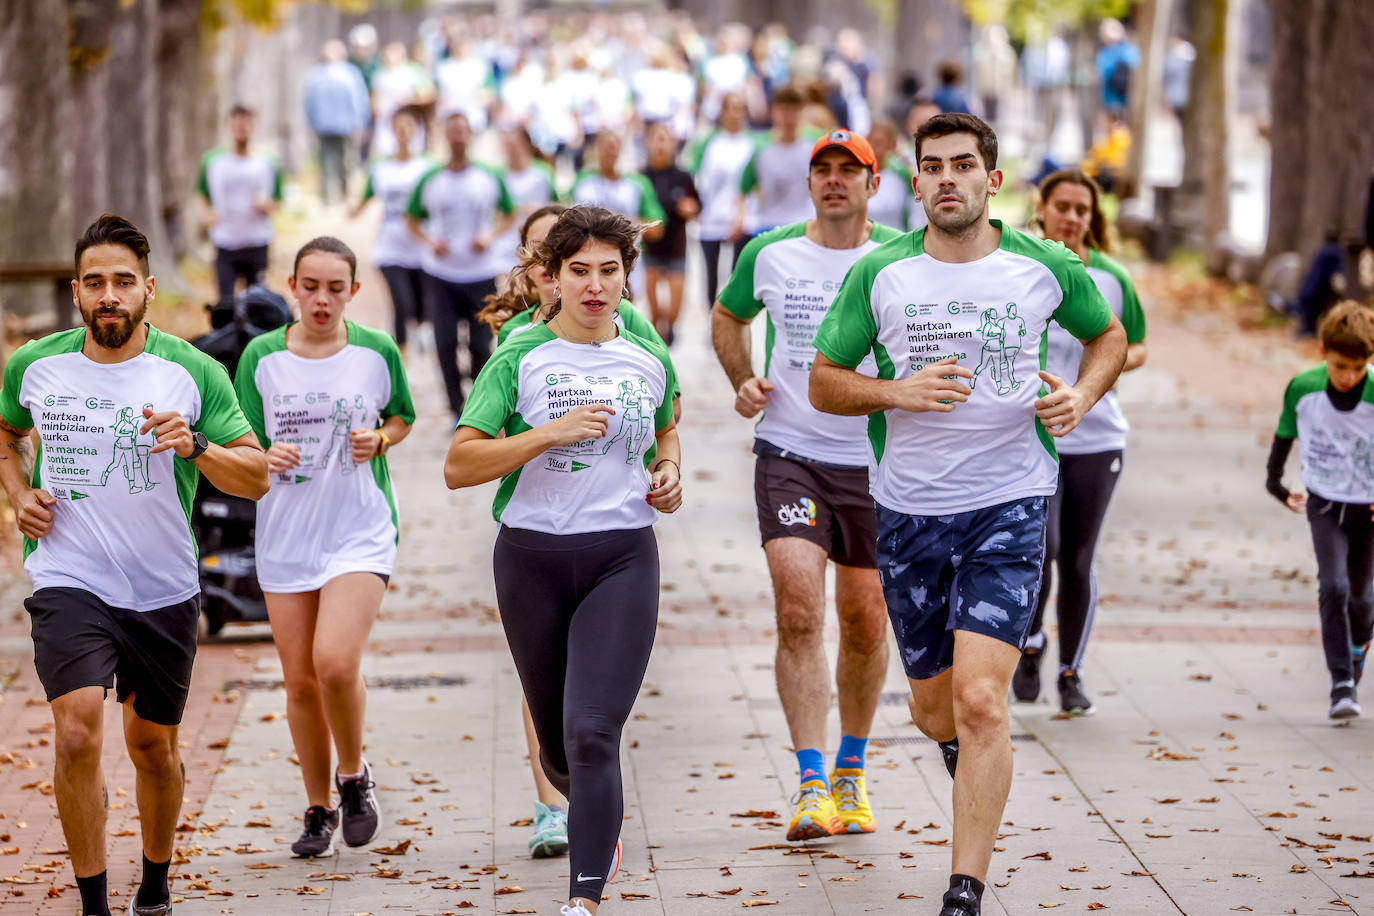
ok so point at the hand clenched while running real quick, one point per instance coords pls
(33, 513)
(283, 456)
(935, 388)
(590, 421)
(170, 430)
(665, 488)
(752, 396)
(1063, 408)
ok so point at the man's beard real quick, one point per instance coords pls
(957, 223)
(114, 336)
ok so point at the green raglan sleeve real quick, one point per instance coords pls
(1132, 315)
(749, 178)
(1288, 417)
(221, 417)
(663, 416)
(246, 388)
(276, 180)
(636, 322)
(739, 297)
(493, 398)
(368, 192)
(15, 413)
(400, 405)
(203, 175)
(650, 208)
(518, 320)
(847, 332)
(504, 202)
(1084, 312)
(698, 153)
(416, 205)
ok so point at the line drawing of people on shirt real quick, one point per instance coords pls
(129, 456)
(1364, 461)
(636, 417)
(342, 418)
(1002, 338)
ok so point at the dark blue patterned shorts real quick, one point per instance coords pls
(977, 571)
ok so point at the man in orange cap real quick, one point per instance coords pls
(811, 479)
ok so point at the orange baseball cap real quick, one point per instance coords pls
(849, 141)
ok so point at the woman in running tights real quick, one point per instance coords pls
(396, 252)
(589, 458)
(327, 398)
(1090, 458)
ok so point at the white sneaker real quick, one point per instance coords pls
(577, 910)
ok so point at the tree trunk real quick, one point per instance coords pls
(181, 89)
(1322, 146)
(1204, 207)
(34, 173)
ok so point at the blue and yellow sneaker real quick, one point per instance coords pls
(816, 814)
(851, 801)
(550, 836)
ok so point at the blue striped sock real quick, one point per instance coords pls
(851, 754)
(812, 765)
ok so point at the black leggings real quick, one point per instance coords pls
(1343, 537)
(232, 263)
(448, 305)
(1077, 509)
(710, 250)
(406, 297)
(580, 612)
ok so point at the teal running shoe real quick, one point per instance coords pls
(550, 831)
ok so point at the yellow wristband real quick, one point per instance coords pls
(386, 443)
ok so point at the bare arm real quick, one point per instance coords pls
(33, 512)
(665, 476)
(840, 390)
(1064, 407)
(1136, 354)
(730, 337)
(474, 457)
(238, 468)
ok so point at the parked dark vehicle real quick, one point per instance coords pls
(223, 524)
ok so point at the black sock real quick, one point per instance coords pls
(950, 750)
(95, 895)
(965, 891)
(154, 889)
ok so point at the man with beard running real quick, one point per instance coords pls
(964, 464)
(111, 556)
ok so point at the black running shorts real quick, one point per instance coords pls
(828, 506)
(80, 641)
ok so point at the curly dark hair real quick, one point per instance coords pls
(579, 225)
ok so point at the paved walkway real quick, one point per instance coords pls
(1210, 780)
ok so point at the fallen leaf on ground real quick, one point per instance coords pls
(397, 850)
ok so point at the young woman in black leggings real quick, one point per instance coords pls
(589, 458)
(1090, 458)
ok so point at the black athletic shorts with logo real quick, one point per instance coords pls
(826, 504)
(80, 641)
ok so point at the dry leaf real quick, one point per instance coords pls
(757, 902)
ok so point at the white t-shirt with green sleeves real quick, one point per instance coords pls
(1337, 446)
(909, 310)
(630, 194)
(596, 484)
(232, 184)
(328, 515)
(1104, 428)
(458, 206)
(794, 280)
(394, 180)
(121, 526)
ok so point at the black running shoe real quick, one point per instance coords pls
(1025, 681)
(152, 909)
(1344, 705)
(317, 839)
(358, 805)
(1072, 699)
(950, 751)
(960, 901)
